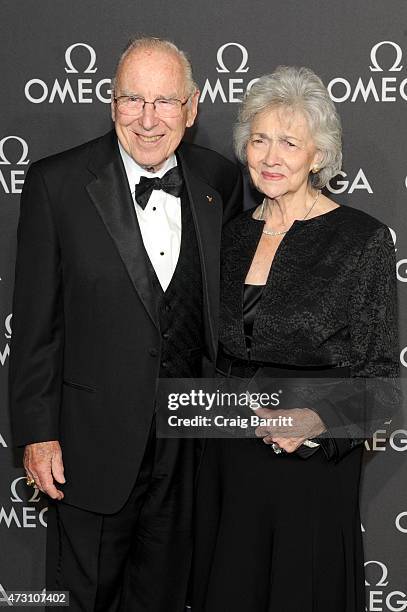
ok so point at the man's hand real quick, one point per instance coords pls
(43, 463)
(304, 424)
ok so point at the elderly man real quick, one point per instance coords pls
(116, 286)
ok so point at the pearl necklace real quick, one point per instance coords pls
(271, 233)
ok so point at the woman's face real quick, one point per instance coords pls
(280, 152)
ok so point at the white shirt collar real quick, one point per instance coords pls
(135, 172)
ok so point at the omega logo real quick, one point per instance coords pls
(24, 151)
(79, 90)
(92, 60)
(12, 180)
(384, 572)
(397, 61)
(16, 498)
(380, 89)
(245, 57)
(23, 516)
(379, 600)
(229, 90)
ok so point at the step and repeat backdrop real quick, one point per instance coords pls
(58, 58)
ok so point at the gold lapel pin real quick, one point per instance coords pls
(209, 198)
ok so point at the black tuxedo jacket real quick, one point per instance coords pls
(86, 341)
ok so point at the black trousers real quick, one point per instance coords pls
(137, 560)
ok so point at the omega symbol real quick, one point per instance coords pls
(15, 496)
(70, 69)
(382, 581)
(245, 56)
(396, 67)
(24, 146)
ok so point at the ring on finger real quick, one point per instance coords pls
(276, 448)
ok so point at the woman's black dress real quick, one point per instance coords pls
(279, 533)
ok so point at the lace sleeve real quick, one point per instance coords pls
(373, 310)
(356, 409)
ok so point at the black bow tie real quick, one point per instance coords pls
(172, 182)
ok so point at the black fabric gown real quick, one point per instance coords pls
(280, 533)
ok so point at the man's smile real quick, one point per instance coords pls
(149, 138)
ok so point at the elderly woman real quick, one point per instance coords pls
(308, 289)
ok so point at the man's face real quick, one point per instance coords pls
(151, 74)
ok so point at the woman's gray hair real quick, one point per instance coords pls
(160, 44)
(302, 90)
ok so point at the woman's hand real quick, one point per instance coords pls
(300, 424)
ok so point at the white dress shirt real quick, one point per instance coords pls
(160, 221)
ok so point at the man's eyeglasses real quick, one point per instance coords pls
(164, 107)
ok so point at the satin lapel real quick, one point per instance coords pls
(207, 211)
(111, 195)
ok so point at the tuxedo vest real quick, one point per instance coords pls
(180, 306)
